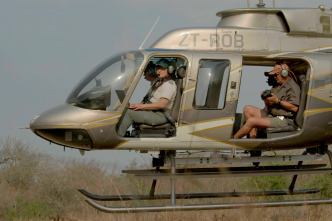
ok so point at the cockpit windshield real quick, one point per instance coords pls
(105, 87)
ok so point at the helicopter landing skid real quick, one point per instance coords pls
(223, 172)
(206, 206)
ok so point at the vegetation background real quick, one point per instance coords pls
(38, 187)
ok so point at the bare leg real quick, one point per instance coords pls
(252, 123)
(250, 112)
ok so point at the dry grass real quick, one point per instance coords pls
(37, 187)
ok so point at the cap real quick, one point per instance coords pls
(278, 68)
(163, 63)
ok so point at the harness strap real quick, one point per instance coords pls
(146, 99)
(290, 122)
(169, 118)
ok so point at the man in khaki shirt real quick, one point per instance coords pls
(279, 108)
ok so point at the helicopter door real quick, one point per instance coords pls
(210, 96)
(150, 123)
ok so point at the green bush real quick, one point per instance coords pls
(267, 183)
(26, 209)
(321, 181)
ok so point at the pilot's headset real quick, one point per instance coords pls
(284, 72)
(165, 64)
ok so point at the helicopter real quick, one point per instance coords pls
(207, 65)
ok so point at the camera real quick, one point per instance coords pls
(271, 81)
(266, 94)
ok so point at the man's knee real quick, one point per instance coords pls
(258, 122)
(251, 122)
(248, 109)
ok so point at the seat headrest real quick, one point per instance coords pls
(302, 78)
(181, 72)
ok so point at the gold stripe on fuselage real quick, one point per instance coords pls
(319, 75)
(214, 139)
(310, 93)
(123, 142)
(188, 89)
(187, 108)
(232, 99)
(205, 121)
(316, 111)
(236, 68)
(316, 48)
(87, 122)
(100, 125)
(305, 50)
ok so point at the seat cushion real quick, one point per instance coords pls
(287, 128)
(165, 130)
(156, 127)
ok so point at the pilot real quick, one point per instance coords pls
(160, 100)
(149, 73)
(280, 106)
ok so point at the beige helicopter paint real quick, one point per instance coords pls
(320, 93)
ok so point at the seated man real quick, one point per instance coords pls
(280, 107)
(160, 99)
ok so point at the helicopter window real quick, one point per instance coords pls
(105, 87)
(211, 84)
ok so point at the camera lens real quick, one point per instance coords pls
(266, 94)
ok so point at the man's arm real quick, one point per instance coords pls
(288, 106)
(285, 104)
(161, 104)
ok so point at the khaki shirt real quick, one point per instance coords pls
(166, 90)
(289, 92)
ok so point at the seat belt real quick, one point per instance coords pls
(169, 118)
(291, 123)
(147, 96)
(146, 100)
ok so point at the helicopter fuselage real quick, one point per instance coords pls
(207, 114)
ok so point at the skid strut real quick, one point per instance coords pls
(172, 174)
(172, 157)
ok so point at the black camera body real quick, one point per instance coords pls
(271, 81)
(266, 94)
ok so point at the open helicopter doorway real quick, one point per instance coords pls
(254, 81)
(146, 92)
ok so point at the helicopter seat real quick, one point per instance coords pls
(168, 129)
(298, 120)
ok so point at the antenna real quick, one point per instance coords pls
(261, 4)
(274, 4)
(149, 32)
(248, 3)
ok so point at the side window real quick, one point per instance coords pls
(211, 84)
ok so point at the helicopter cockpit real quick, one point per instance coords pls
(105, 87)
